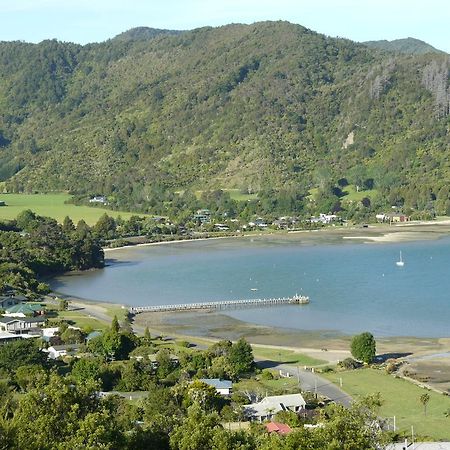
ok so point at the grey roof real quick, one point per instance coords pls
(217, 383)
(276, 403)
(93, 334)
(22, 319)
(65, 347)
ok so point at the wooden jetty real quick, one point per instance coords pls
(225, 304)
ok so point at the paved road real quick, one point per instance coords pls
(312, 382)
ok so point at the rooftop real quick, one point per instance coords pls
(217, 383)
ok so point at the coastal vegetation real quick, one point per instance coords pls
(32, 247)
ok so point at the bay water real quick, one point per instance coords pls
(353, 287)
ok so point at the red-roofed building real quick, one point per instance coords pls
(276, 427)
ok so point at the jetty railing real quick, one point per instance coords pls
(225, 304)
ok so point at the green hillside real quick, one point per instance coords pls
(409, 46)
(272, 109)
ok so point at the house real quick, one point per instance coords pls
(6, 336)
(48, 333)
(222, 387)
(397, 217)
(7, 302)
(21, 324)
(99, 199)
(221, 227)
(59, 351)
(153, 360)
(269, 406)
(25, 310)
(277, 427)
(203, 216)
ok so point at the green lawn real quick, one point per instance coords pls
(237, 195)
(52, 205)
(81, 320)
(401, 399)
(285, 356)
(267, 386)
(353, 195)
(350, 193)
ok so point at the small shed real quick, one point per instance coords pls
(222, 387)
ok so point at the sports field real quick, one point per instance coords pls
(52, 205)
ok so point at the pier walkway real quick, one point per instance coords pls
(225, 304)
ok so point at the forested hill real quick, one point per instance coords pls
(409, 46)
(270, 107)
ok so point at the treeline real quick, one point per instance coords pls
(32, 247)
(63, 405)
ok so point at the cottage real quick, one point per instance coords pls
(222, 387)
(59, 351)
(20, 324)
(269, 406)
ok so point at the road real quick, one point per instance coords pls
(310, 381)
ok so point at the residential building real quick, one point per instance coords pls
(277, 427)
(21, 324)
(269, 406)
(99, 199)
(222, 387)
(59, 351)
(25, 310)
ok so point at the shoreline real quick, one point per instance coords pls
(376, 233)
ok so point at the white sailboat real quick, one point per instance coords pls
(400, 262)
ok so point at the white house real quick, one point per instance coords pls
(59, 351)
(269, 406)
(222, 387)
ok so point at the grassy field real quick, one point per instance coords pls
(353, 195)
(285, 356)
(52, 205)
(401, 399)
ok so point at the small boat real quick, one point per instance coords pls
(400, 262)
(254, 289)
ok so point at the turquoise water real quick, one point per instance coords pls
(353, 287)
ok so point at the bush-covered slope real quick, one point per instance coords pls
(410, 46)
(268, 106)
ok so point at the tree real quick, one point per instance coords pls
(363, 347)
(240, 357)
(424, 399)
(115, 327)
(20, 353)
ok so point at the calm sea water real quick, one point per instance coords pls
(353, 287)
